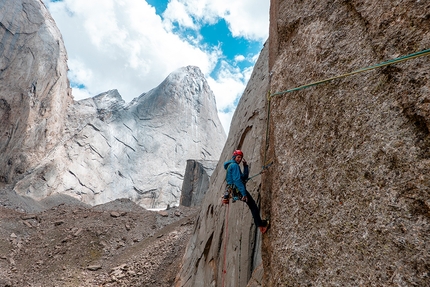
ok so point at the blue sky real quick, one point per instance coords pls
(133, 45)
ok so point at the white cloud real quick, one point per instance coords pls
(228, 88)
(225, 119)
(125, 45)
(239, 58)
(246, 18)
(81, 93)
(178, 12)
(79, 71)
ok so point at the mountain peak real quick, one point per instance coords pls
(138, 151)
(182, 90)
(109, 100)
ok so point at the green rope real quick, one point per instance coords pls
(262, 170)
(267, 127)
(386, 63)
(389, 62)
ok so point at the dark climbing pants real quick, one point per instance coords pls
(254, 210)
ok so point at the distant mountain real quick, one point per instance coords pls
(98, 149)
(137, 150)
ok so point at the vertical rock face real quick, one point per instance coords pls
(349, 189)
(196, 181)
(34, 90)
(225, 237)
(137, 150)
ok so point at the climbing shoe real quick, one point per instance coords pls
(264, 227)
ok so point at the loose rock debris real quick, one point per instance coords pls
(116, 244)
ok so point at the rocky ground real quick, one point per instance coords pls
(62, 242)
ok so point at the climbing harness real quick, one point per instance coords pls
(232, 192)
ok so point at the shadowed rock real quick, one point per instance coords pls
(196, 181)
(205, 257)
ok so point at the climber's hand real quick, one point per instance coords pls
(245, 199)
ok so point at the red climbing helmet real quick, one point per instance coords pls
(238, 152)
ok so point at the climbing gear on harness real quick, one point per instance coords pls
(232, 193)
(226, 198)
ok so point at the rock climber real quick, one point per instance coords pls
(236, 185)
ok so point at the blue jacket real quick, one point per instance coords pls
(235, 175)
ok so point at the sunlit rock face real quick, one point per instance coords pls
(34, 89)
(137, 150)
